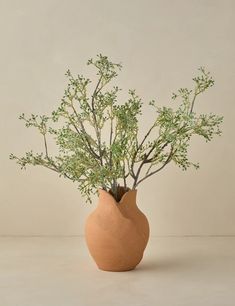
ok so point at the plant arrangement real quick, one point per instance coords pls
(98, 139)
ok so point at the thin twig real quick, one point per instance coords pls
(146, 160)
(139, 147)
(84, 134)
(97, 131)
(124, 176)
(111, 135)
(155, 171)
(194, 98)
(50, 160)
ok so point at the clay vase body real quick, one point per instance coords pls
(117, 232)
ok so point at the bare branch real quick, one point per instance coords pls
(155, 171)
(140, 146)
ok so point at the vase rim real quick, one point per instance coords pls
(125, 195)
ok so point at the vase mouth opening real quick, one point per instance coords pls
(122, 193)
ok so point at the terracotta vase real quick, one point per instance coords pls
(117, 232)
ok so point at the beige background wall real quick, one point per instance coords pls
(161, 44)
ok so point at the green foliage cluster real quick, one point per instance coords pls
(85, 156)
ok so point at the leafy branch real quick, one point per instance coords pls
(98, 139)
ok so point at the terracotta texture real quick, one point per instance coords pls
(117, 233)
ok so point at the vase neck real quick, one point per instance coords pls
(128, 198)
